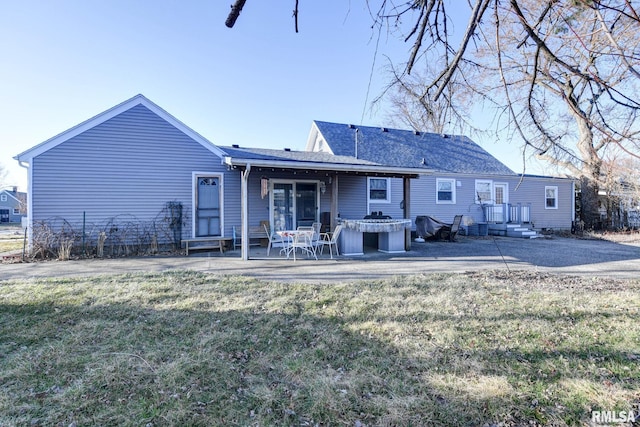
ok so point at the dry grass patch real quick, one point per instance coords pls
(11, 243)
(187, 348)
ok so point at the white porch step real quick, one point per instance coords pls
(512, 230)
(520, 231)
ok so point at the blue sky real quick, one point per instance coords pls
(259, 84)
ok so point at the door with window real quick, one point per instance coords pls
(207, 206)
(501, 196)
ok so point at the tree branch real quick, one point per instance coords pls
(295, 15)
(236, 8)
(476, 15)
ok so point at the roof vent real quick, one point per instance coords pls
(384, 130)
(416, 132)
(351, 126)
(235, 146)
(444, 135)
(287, 149)
(423, 161)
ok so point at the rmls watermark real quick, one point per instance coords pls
(613, 417)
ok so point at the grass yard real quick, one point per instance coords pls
(187, 348)
(11, 243)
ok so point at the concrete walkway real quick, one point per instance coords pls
(569, 256)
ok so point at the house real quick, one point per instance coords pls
(136, 175)
(619, 205)
(12, 206)
(464, 179)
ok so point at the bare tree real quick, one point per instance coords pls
(621, 188)
(563, 75)
(412, 106)
(3, 176)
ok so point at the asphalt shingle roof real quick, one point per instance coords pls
(406, 148)
(293, 156)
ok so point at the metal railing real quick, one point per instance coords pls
(508, 213)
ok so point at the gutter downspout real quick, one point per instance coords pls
(245, 211)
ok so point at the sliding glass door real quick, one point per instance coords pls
(294, 204)
(282, 206)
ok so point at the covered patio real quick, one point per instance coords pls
(291, 188)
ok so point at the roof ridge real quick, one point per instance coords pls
(388, 128)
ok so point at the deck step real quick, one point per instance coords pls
(513, 230)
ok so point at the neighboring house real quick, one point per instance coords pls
(463, 179)
(12, 205)
(135, 167)
(619, 206)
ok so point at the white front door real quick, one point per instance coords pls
(501, 197)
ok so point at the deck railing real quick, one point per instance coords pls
(508, 213)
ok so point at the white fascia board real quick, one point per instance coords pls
(337, 167)
(29, 154)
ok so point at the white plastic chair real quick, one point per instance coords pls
(316, 232)
(273, 238)
(331, 240)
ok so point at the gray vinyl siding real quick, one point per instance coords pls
(128, 167)
(15, 218)
(528, 190)
(391, 208)
(532, 189)
(232, 201)
(259, 207)
(352, 197)
(423, 199)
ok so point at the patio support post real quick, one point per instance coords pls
(407, 211)
(244, 247)
(334, 202)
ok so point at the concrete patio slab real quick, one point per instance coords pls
(568, 256)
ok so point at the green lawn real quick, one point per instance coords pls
(186, 348)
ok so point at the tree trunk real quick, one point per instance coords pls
(589, 205)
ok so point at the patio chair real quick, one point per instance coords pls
(331, 240)
(316, 231)
(450, 232)
(302, 239)
(236, 238)
(273, 238)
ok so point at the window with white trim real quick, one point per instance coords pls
(3, 197)
(16, 211)
(379, 190)
(445, 191)
(551, 197)
(484, 191)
